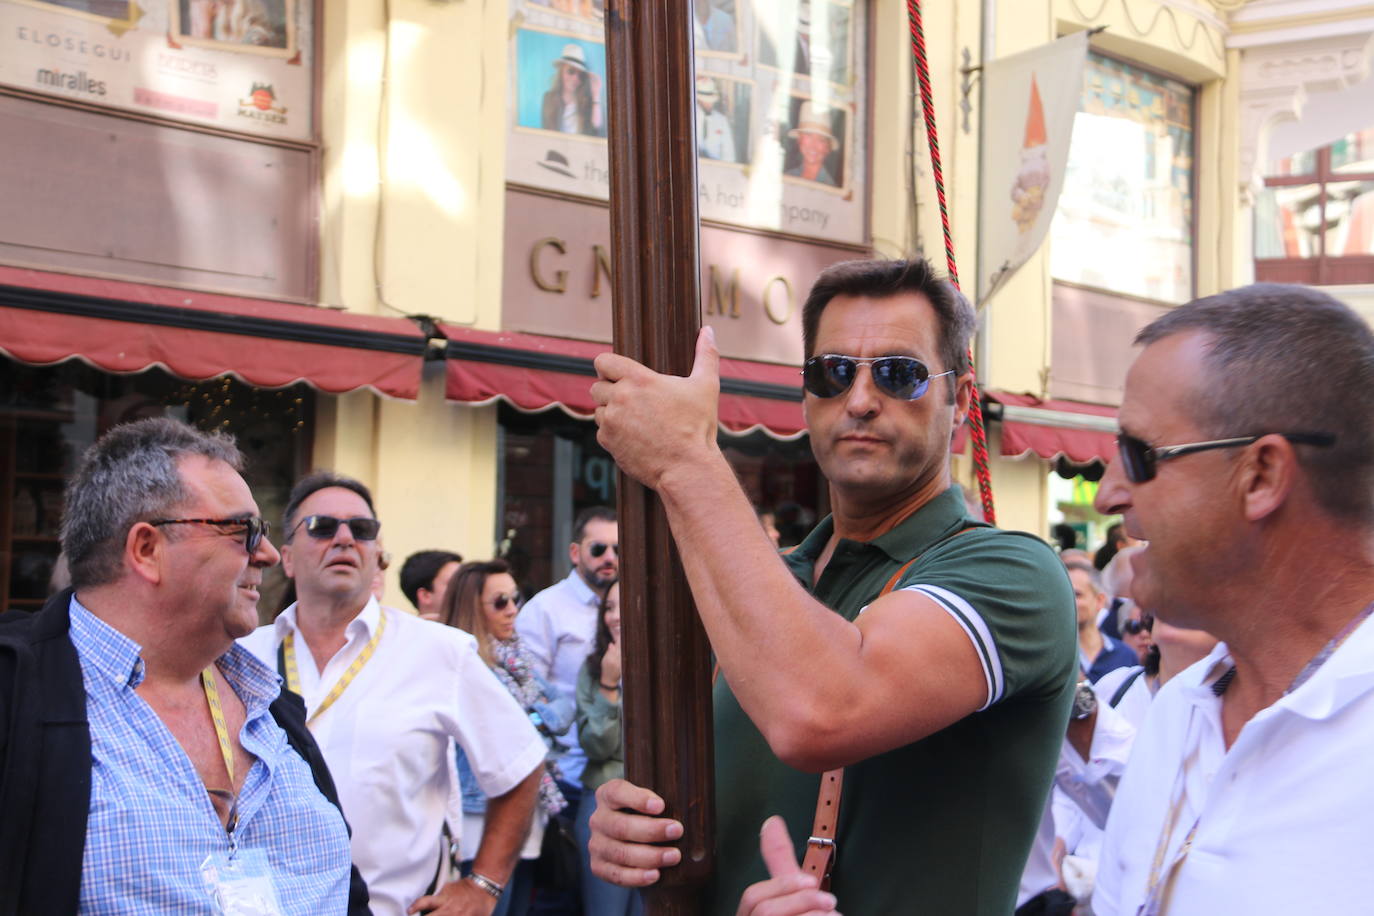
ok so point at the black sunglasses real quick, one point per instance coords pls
(1136, 627)
(598, 549)
(325, 526)
(905, 378)
(1141, 460)
(502, 601)
(254, 528)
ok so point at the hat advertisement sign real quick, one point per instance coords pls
(1030, 101)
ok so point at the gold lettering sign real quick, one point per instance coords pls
(768, 309)
(603, 266)
(715, 304)
(560, 282)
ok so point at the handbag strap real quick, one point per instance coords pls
(819, 859)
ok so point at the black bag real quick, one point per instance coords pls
(559, 866)
(1052, 902)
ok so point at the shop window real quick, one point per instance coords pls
(49, 415)
(1125, 218)
(552, 468)
(1314, 220)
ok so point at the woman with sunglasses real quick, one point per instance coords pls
(482, 598)
(598, 729)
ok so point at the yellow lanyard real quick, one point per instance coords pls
(207, 680)
(293, 675)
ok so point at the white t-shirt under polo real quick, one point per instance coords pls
(388, 738)
(1285, 818)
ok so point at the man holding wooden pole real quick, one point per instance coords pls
(929, 655)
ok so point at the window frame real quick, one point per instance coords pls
(1321, 269)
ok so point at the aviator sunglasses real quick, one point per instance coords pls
(324, 526)
(598, 549)
(1140, 460)
(905, 378)
(254, 528)
(503, 601)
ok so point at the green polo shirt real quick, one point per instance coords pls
(942, 826)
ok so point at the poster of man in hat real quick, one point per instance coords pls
(814, 152)
(722, 118)
(815, 32)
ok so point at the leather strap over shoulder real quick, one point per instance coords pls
(819, 859)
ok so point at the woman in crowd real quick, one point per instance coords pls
(482, 598)
(1171, 650)
(598, 728)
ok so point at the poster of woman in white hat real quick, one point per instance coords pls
(814, 151)
(573, 103)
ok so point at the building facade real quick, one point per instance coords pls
(373, 236)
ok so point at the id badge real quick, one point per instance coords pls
(241, 885)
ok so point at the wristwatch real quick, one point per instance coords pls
(488, 885)
(1084, 701)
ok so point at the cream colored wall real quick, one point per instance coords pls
(414, 226)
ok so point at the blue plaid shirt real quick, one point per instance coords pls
(151, 823)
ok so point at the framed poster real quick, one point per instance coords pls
(239, 65)
(781, 113)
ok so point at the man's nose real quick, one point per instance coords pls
(1113, 491)
(267, 555)
(863, 398)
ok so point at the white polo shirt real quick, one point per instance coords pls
(1284, 818)
(388, 738)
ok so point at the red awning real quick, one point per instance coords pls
(1080, 432)
(535, 373)
(120, 326)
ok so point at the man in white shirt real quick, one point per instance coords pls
(386, 695)
(558, 625)
(1247, 464)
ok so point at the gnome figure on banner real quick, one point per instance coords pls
(1033, 178)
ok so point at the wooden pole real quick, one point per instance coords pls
(651, 96)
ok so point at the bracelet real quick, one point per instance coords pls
(491, 887)
(609, 686)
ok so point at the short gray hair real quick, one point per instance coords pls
(1094, 577)
(1286, 359)
(129, 475)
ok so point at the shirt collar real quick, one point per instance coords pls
(113, 655)
(365, 623)
(104, 649)
(1347, 675)
(931, 523)
(581, 589)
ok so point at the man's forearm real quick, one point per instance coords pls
(768, 633)
(504, 830)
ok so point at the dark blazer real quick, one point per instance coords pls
(45, 764)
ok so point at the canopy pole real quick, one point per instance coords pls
(656, 308)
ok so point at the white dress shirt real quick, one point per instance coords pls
(558, 628)
(388, 738)
(1283, 817)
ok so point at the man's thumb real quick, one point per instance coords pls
(776, 845)
(707, 362)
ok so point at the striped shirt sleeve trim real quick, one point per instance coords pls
(978, 633)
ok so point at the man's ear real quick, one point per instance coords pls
(1266, 474)
(963, 397)
(574, 553)
(287, 563)
(145, 552)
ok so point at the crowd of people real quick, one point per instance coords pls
(920, 711)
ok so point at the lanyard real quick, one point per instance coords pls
(1161, 880)
(293, 675)
(207, 681)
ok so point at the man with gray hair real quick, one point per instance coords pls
(148, 764)
(1247, 465)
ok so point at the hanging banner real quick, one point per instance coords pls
(1029, 100)
(781, 110)
(240, 65)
